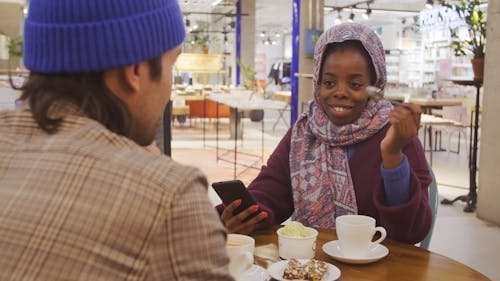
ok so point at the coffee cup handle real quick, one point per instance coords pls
(240, 264)
(383, 234)
(245, 262)
(249, 258)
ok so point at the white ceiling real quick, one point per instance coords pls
(270, 15)
(275, 16)
(278, 13)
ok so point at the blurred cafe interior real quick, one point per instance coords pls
(245, 75)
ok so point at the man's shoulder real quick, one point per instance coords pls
(159, 167)
(120, 156)
(130, 160)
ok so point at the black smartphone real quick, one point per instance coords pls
(229, 191)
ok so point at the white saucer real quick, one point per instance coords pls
(376, 253)
(254, 273)
(276, 271)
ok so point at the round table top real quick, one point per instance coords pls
(404, 261)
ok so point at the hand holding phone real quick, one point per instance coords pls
(229, 191)
(238, 218)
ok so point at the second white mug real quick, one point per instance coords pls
(240, 251)
(355, 234)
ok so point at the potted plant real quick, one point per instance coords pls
(203, 41)
(251, 83)
(475, 44)
(15, 49)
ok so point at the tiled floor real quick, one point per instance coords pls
(461, 236)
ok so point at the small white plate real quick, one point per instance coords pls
(276, 271)
(254, 273)
(332, 249)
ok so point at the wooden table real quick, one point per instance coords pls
(427, 106)
(284, 96)
(427, 121)
(436, 102)
(404, 262)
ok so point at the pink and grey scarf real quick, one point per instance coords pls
(321, 180)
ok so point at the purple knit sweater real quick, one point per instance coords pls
(407, 223)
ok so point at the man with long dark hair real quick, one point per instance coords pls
(80, 199)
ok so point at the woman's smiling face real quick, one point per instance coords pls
(345, 75)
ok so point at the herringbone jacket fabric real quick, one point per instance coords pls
(87, 204)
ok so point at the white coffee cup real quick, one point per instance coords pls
(240, 251)
(355, 234)
(297, 247)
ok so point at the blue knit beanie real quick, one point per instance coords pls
(70, 36)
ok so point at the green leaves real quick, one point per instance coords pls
(203, 40)
(248, 72)
(475, 19)
(15, 47)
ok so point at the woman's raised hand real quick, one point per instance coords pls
(405, 122)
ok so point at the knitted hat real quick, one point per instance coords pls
(68, 36)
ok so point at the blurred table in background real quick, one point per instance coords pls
(428, 104)
(427, 121)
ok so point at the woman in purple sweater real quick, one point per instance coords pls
(348, 153)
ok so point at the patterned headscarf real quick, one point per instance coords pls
(321, 180)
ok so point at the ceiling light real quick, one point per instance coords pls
(269, 41)
(429, 4)
(278, 35)
(262, 34)
(216, 2)
(338, 20)
(368, 12)
(351, 17)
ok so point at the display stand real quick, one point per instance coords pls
(471, 198)
(237, 130)
(239, 103)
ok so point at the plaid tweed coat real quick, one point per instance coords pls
(87, 204)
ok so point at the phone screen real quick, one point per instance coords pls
(232, 190)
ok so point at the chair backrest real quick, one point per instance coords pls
(433, 201)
